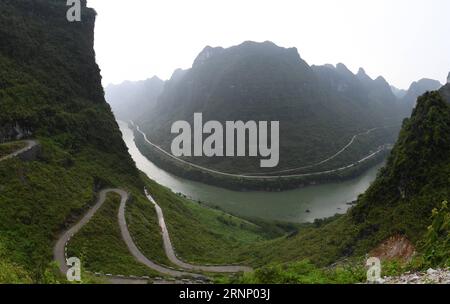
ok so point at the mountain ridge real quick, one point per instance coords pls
(265, 82)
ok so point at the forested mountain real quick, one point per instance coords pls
(50, 86)
(375, 94)
(47, 90)
(416, 177)
(405, 201)
(319, 108)
(130, 99)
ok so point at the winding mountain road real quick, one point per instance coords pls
(30, 145)
(168, 248)
(60, 249)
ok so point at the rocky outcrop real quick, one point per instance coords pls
(431, 276)
(397, 247)
(13, 132)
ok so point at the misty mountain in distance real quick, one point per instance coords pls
(129, 98)
(399, 93)
(445, 90)
(320, 107)
(416, 89)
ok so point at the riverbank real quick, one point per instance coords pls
(321, 201)
(238, 182)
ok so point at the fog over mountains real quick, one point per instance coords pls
(129, 99)
(319, 108)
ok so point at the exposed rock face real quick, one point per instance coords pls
(397, 247)
(431, 276)
(448, 78)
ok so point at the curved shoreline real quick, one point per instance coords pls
(270, 177)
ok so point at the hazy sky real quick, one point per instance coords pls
(403, 40)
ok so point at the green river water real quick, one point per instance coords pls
(299, 205)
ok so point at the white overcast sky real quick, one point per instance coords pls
(402, 40)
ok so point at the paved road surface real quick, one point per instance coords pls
(59, 251)
(30, 144)
(134, 250)
(168, 248)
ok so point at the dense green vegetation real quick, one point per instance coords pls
(433, 251)
(415, 179)
(304, 272)
(9, 272)
(39, 198)
(437, 241)
(50, 87)
(413, 183)
(100, 247)
(200, 234)
(49, 81)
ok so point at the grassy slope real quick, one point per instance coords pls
(37, 198)
(200, 234)
(100, 247)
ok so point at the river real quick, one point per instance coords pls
(299, 205)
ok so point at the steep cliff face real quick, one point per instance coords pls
(50, 90)
(49, 80)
